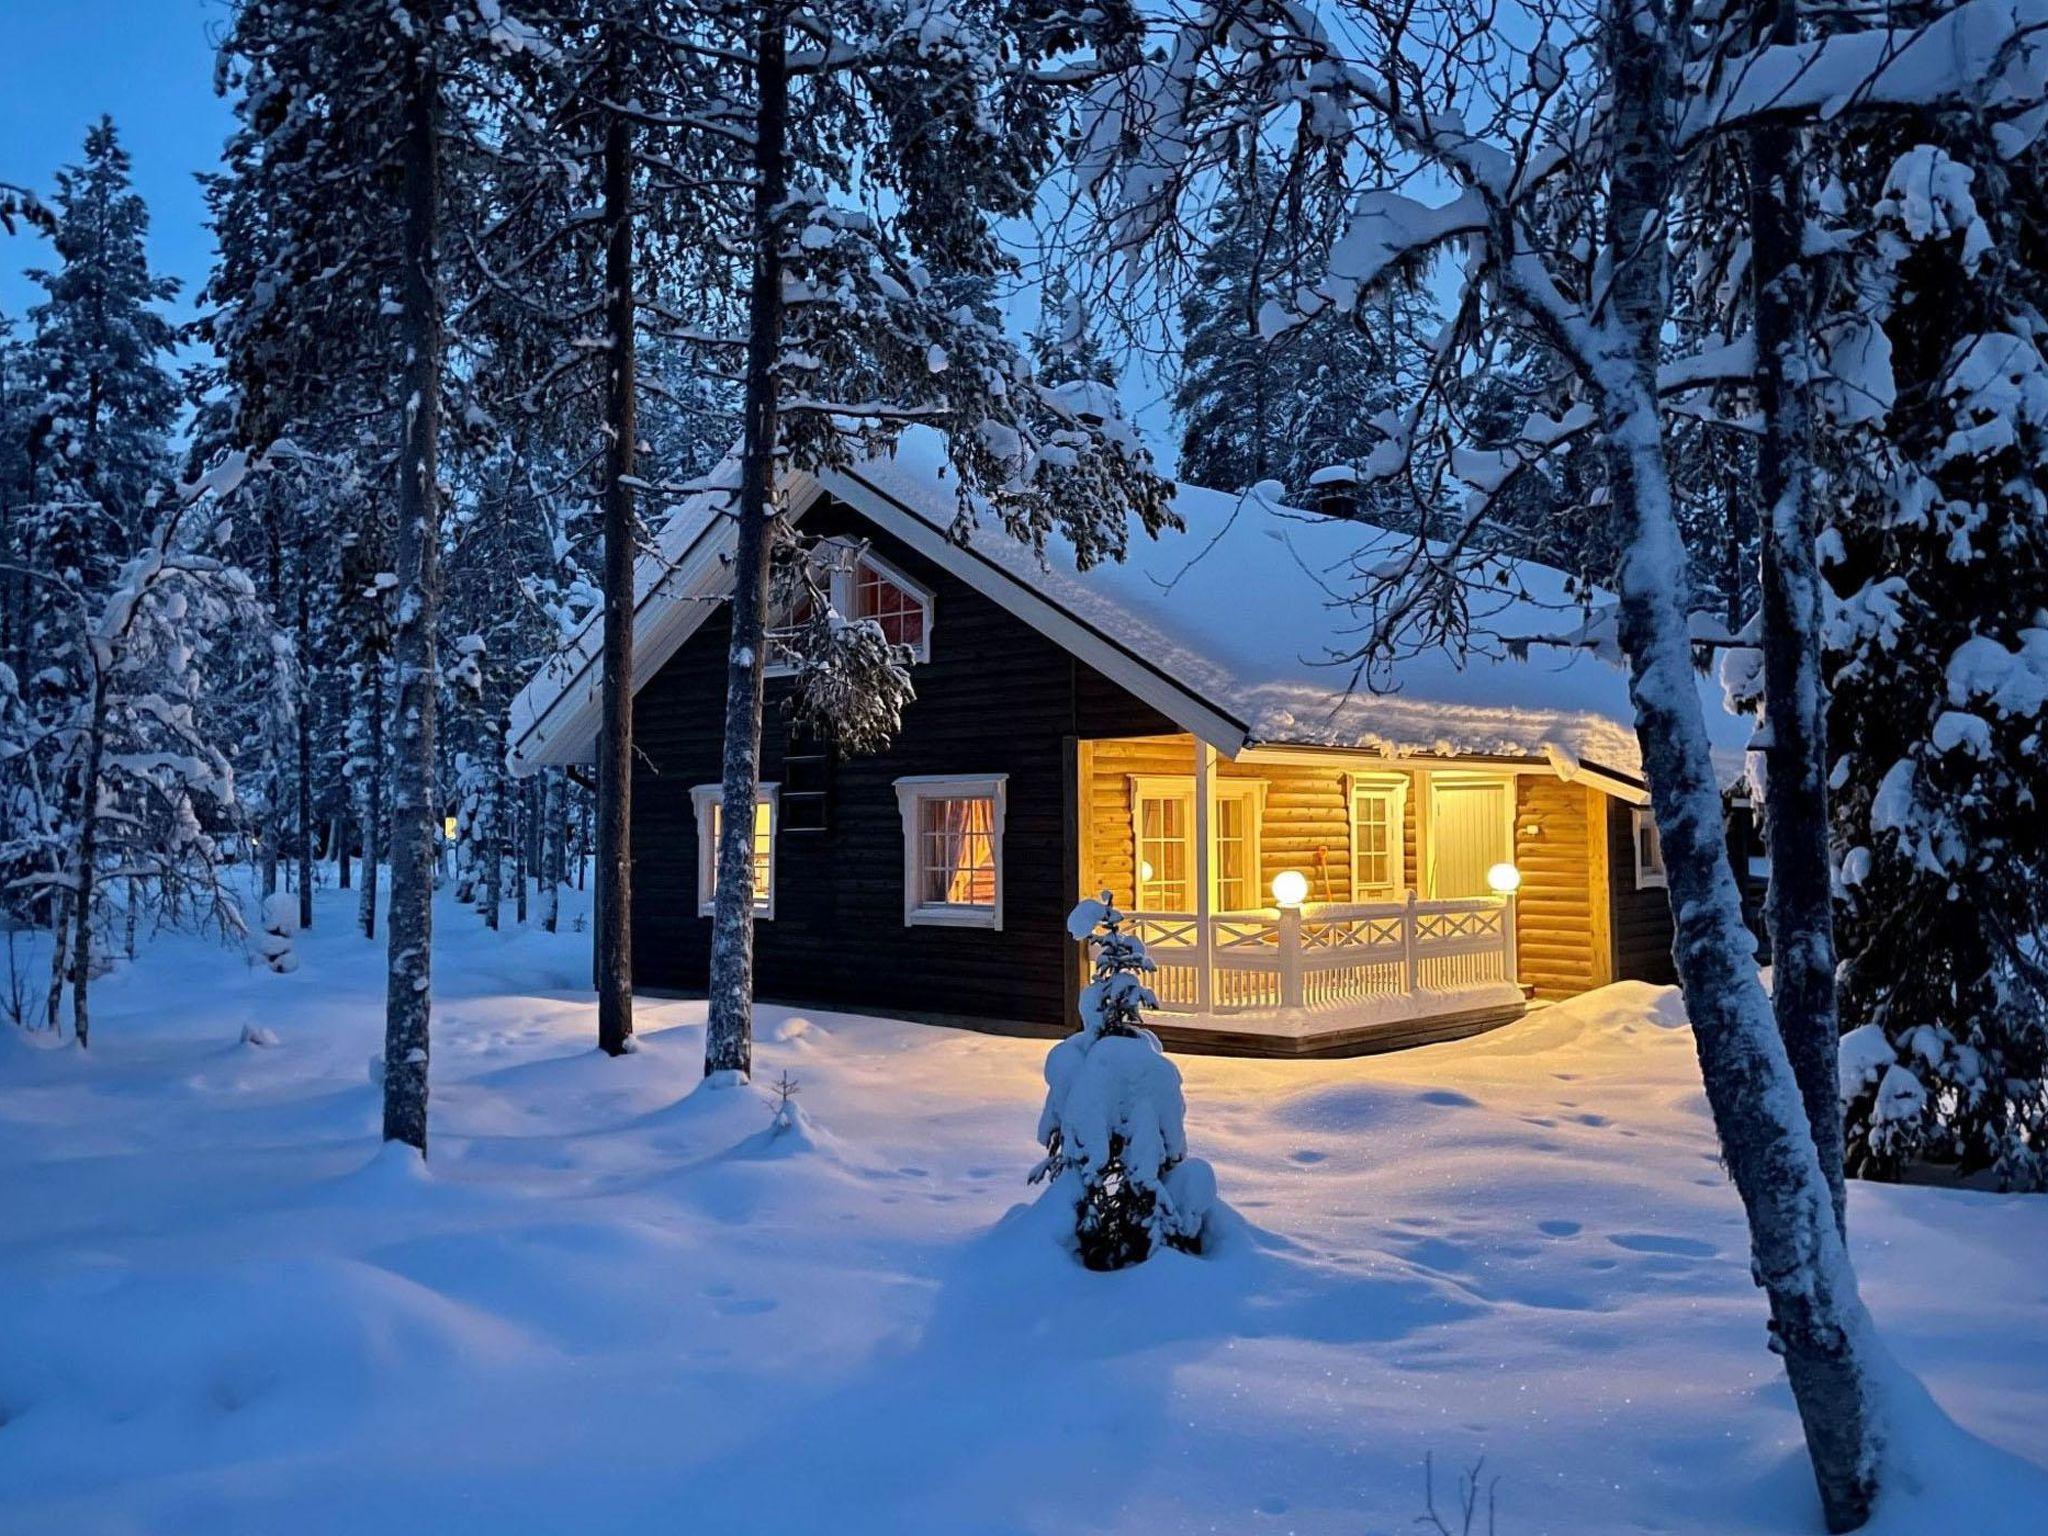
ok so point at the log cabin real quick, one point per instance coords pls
(1318, 863)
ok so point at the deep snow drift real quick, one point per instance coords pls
(618, 1301)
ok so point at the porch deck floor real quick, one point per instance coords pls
(1363, 1028)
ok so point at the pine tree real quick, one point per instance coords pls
(1255, 408)
(855, 325)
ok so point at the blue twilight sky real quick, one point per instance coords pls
(147, 62)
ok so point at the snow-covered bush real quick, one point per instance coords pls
(280, 923)
(1115, 1144)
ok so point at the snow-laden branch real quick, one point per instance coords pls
(1990, 56)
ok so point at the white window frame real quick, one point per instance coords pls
(1172, 786)
(1395, 787)
(1650, 874)
(846, 556)
(911, 793)
(705, 799)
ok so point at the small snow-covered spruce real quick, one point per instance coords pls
(1115, 1144)
(782, 1101)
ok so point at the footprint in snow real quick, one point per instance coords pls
(1306, 1156)
(1558, 1228)
(1663, 1243)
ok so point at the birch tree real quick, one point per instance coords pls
(1563, 208)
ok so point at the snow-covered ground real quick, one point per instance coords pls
(614, 1303)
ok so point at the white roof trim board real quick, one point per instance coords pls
(1228, 629)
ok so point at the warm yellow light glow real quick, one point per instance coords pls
(1145, 870)
(448, 828)
(1290, 888)
(1505, 879)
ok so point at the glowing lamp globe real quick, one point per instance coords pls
(1145, 871)
(1290, 888)
(1504, 879)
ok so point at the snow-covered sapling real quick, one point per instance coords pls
(1113, 1132)
(280, 923)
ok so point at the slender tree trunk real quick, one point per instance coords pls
(1798, 1254)
(614, 937)
(554, 845)
(88, 857)
(273, 824)
(522, 810)
(343, 833)
(729, 1033)
(415, 835)
(1799, 905)
(373, 803)
(60, 960)
(492, 843)
(305, 741)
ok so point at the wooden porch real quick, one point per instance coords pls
(1306, 902)
(1368, 976)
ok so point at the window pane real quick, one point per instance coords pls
(1234, 875)
(896, 610)
(1165, 853)
(764, 836)
(1379, 843)
(956, 852)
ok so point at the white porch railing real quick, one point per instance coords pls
(1326, 956)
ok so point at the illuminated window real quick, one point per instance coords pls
(1378, 810)
(709, 819)
(892, 603)
(953, 850)
(860, 585)
(1163, 844)
(1649, 850)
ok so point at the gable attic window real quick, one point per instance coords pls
(706, 800)
(953, 850)
(862, 585)
(1649, 850)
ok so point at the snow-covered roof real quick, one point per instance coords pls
(1236, 629)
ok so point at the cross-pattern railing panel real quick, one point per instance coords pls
(1328, 957)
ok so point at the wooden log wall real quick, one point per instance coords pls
(1559, 948)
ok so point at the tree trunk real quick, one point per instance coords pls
(729, 1032)
(491, 842)
(554, 849)
(60, 960)
(1798, 1254)
(1799, 905)
(342, 835)
(373, 804)
(614, 937)
(88, 856)
(408, 1001)
(305, 742)
(522, 811)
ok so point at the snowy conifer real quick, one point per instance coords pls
(1938, 653)
(1112, 1128)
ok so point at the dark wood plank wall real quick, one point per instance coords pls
(1642, 919)
(996, 697)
